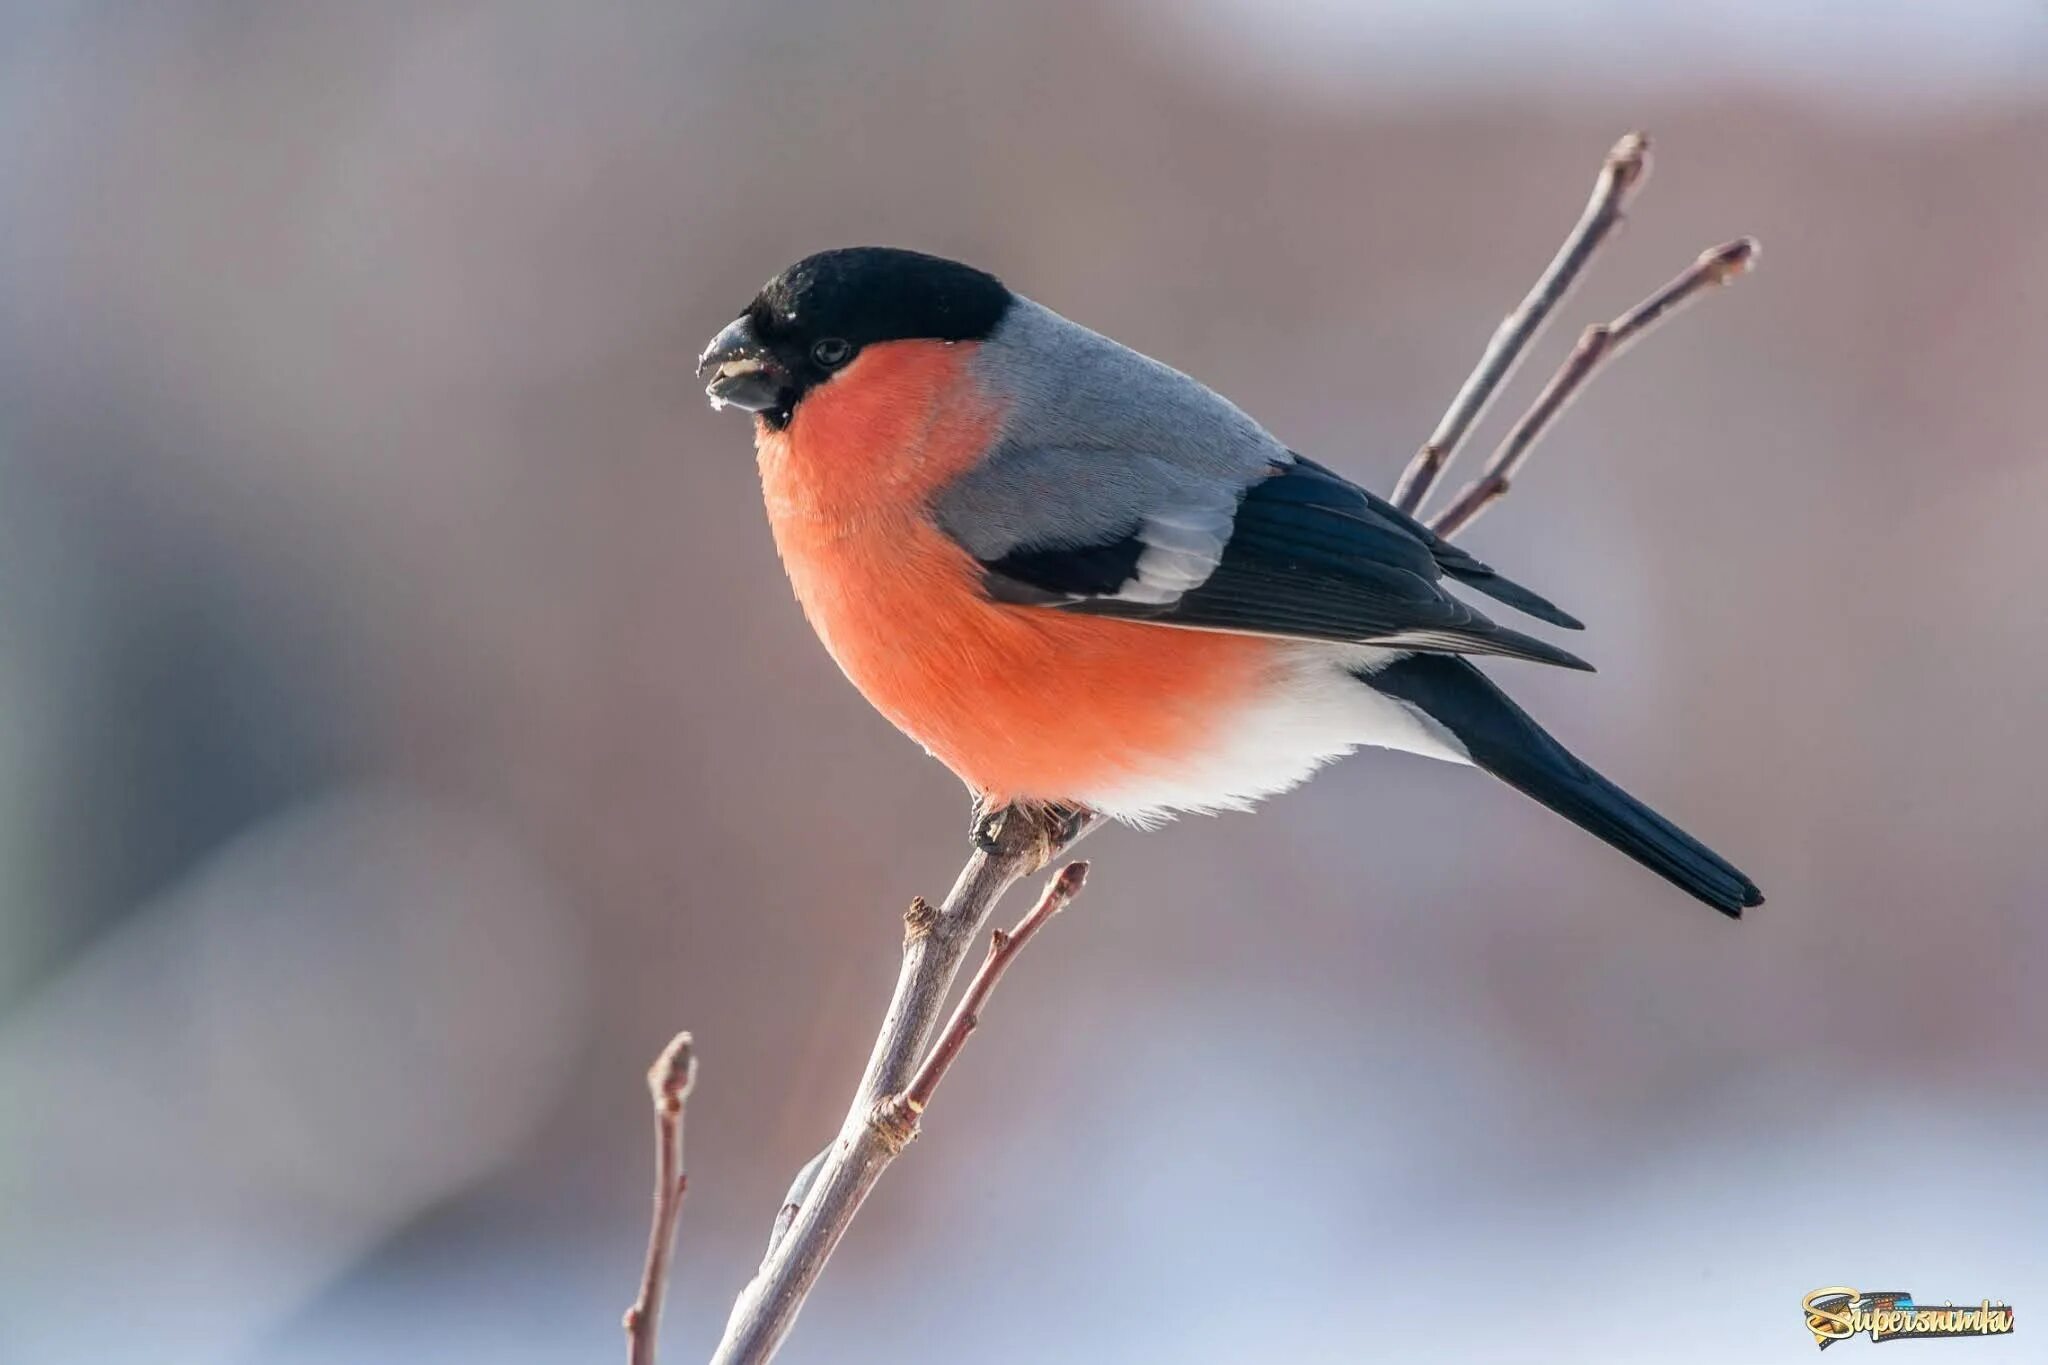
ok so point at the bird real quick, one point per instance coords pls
(1086, 582)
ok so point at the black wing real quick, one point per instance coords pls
(1309, 555)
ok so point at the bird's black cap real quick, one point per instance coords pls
(865, 294)
(816, 316)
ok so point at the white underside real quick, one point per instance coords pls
(1320, 712)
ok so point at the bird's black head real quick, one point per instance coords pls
(809, 322)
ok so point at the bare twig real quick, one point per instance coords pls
(1600, 343)
(1002, 951)
(799, 1188)
(878, 1124)
(1626, 167)
(668, 1083)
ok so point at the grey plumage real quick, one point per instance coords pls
(1178, 508)
(1096, 438)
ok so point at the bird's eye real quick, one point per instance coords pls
(832, 352)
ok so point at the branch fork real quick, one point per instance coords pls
(900, 1113)
(906, 1066)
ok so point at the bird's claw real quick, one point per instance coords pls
(985, 826)
(1063, 825)
(1060, 825)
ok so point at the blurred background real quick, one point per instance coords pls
(405, 726)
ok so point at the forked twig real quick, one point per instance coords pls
(1600, 344)
(1627, 165)
(902, 1068)
(668, 1084)
(1002, 951)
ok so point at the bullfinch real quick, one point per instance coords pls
(1082, 579)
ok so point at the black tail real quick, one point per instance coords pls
(1503, 740)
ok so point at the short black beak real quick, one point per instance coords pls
(744, 373)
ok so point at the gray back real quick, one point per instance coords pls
(1098, 440)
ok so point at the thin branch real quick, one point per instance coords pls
(1002, 951)
(878, 1125)
(799, 1190)
(1627, 165)
(668, 1083)
(1600, 343)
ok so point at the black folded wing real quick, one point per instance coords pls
(1307, 554)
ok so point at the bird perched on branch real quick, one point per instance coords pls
(1083, 580)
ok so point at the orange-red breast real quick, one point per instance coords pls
(1079, 577)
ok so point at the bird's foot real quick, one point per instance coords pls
(985, 825)
(1064, 824)
(1056, 824)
